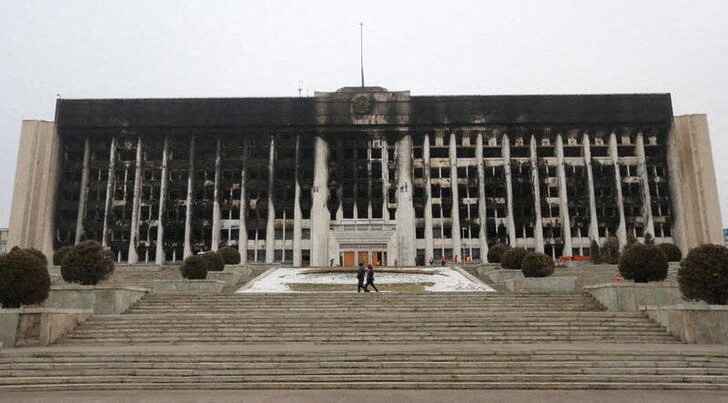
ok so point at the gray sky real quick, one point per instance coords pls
(132, 49)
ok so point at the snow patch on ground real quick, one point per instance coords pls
(444, 279)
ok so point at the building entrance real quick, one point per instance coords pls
(351, 255)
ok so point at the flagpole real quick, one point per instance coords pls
(361, 51)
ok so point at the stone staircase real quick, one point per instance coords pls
(447, 368)
(366, 341)
(370, 318)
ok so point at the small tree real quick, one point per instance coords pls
(512, 258)
(631, 239)
(704, 274)
(610, 250)
(671, 251)
(537, 264)
(213, 261)
(643, 263)
(87, 263)
(594, 252)
(60, 253)
(495, 252)
(649, 239)
(24, 279)
(194, 268)
(229, 255)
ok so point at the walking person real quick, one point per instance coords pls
(370, 279)
(360, 277)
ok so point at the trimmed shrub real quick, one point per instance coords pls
(229, 255)
(537, 264)
(24, 279)
(495, 252)
(704, 274)
(87, 263)
(671, 251)
(610, 250)
(643, 263)
(194, 268)
(213, 261)
(594, 252)
(60, 253)
(512, 258)
(39, 255)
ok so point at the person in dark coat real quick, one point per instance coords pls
(370, 279)
(360, 277)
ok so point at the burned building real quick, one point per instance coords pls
(363, 174)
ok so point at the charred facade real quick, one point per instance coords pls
(362, 174)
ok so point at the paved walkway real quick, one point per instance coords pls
(418, 396)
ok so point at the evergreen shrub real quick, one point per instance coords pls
(24, 279)
(495, 252)
(194, 268)
(610, 250)
(213, 261)
(512, 258)
(643, 263)
(87, 263)
(703, 274)
(537, 264)
(60, 253)
(229, 255)
(671, 251)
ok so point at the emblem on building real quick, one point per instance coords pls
(361, 105)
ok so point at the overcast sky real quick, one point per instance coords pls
(132, 49)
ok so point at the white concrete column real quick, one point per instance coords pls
(188, 211)
(243, 229)
(593, 223)
(482, 211)
(385, 179)
(215, 241)
(405, 214)
(563, 198)
(270, 229)
(340, 187)
(283, 237)
(442, 213)
(510, 224)
(622, 227)
(457, 244)
(297, 214)
(538, 224)
(645, 182)
(355, 190)
(429, 241)
(110, 184)
(369, 179)
(83, 192)
(133, 256)
(319, 210)
(159, 255)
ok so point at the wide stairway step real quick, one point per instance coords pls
(372, 368)
(350, 317)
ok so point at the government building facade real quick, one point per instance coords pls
(364, 173)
